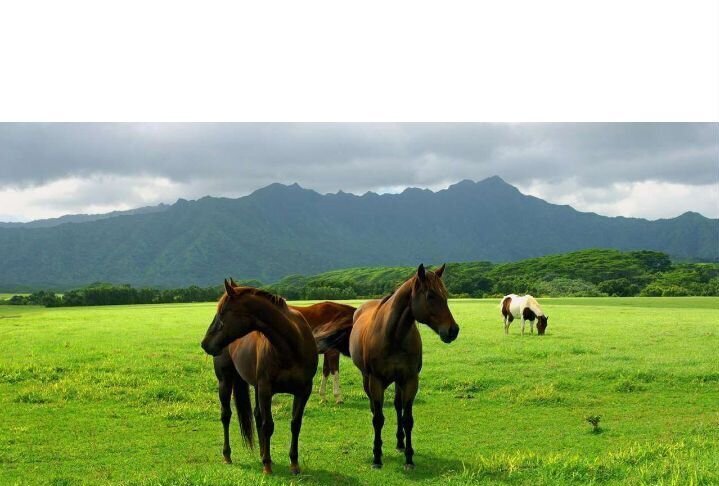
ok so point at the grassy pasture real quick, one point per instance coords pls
(124, 394)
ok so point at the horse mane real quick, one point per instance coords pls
(433, 282)
(386, 297)
(274, 299)
(532, 303)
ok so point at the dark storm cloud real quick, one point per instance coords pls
(237, 158)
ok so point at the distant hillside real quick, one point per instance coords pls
(593, 272)
(282, 230)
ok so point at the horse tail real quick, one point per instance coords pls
(335, 335)
(504, 304)
(241, 390)
(504, 299)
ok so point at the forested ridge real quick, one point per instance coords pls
(287, 230)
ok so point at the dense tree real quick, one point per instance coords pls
(584, 273)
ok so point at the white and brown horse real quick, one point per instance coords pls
(525, 307)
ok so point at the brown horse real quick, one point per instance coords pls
(319, 316)
(328, 314)
(385, 344)
(258, 340)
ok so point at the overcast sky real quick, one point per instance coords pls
(643, 169)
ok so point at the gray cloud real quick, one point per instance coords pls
(234, 159)
(361, 156)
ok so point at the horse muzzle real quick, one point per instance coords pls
(209, 348)
(450, 335)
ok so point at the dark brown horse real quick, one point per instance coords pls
(328, 314)
(320, 316)
(258, 340)
(386, 346)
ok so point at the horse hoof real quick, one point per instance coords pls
(228, 460)
(295, 469)
(408, 467)
(376, 466)
(266, 469)
(339, 402)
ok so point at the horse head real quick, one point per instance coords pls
(542, 322)
(232, 321)
(429, 303)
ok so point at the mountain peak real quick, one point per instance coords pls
(495, 180)
(691, 216)
(464, 183)
(494, 183)
(277, 188)
(415, 190)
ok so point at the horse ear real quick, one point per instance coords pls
(229, 289)
(440, 270)
(420, 272)
(232, 282)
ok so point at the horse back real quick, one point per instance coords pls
(322, 313)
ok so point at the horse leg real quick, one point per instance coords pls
(523, 322)
(531, 326)
(225, 393)
(258, 421)
(298, 409)
(398, 409)
(325, 374)
(268, 426)
(376, 397)
(336, 387)
(365, 385)
(335, 368)
(409, 391)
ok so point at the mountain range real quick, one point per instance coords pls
(281, 230)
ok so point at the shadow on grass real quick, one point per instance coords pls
(314, 476)
(429, 466)
(426, 465)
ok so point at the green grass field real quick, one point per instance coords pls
(125, 395)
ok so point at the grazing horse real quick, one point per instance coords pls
(258, 340)
(513, 306)
(328, 314)
(385, 344)
(318, 316)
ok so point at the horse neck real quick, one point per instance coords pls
(400, 319)
(533, 305)
(279, 330)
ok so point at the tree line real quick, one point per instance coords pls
(108, 294)
(588, 273)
